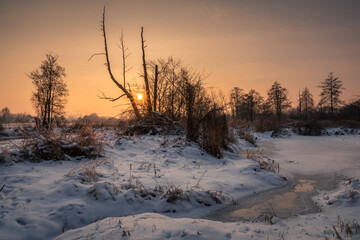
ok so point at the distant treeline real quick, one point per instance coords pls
(7, 117)
(252, 107)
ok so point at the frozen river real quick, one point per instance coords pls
(314, 155)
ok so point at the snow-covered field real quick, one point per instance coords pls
(155, 187)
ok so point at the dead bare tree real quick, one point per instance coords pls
(155, 86)
(119, 85)
(147, 88)
(124, 56)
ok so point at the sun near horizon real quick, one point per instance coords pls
(242, 44)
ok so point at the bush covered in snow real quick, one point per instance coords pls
(311, 128)
(54, 144)
(246, 134)
(155, 124)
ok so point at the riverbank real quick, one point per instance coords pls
(52, 197)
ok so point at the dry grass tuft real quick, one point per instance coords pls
(247, 135)
(4, 154)
(269, 214)
(254, 154)
(262, 161)
(346, 227)
(88, 171)
(218, 196)
(174, 193)
(352, 193)
(269, 164)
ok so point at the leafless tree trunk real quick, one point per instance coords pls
(300, 104)
(147, 88)
(127, 93)
(155, 86)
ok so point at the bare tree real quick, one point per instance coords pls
(155, 86)
(169, 101)
(50, 95)
(196, 103)
(331, 91)
(118, 84)
(147, 88)
(277, 96)
(5, 115)
(158, 82)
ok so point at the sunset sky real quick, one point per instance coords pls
(248, 44)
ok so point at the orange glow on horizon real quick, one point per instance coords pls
(245, 44)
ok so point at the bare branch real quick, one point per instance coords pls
(123, 104)
(95, 55)
(109, 98)
(128, 69)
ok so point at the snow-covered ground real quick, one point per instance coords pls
(155, 187)
(148, 174)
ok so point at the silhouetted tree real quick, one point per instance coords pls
(146, 80)
(50, 95)
(251, 104)
(331, 91)
(351, 111)
(169, 100)
(306, 102)
(196, 104)
(5, 115)
(236, 100)
(117, 83)
(277, 97)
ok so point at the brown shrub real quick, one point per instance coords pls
(266, 124)
(311, 128)
(213, 134)
(46, 146)
(85, 142)
(52, 144)
(4, 154)
(155, 124)
(174, 193)
(88, 171)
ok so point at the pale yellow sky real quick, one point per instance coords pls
(248, 44)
